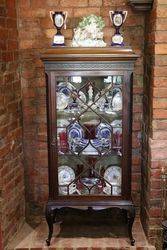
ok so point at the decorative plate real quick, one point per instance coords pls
(83, 142)
(62, 101)
(96, 143)
(75, 131)
(78, 145)
(65, 86)
(113, 175)
(65, 175)
(103, 131)
(65, 90)
(75, 124)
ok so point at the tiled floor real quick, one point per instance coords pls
(34, 239)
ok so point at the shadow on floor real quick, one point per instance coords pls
(94, 224)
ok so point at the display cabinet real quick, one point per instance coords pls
(89, 118)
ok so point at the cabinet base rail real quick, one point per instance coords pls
(52, 211)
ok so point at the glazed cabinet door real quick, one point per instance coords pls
(89, 115)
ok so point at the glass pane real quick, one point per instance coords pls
(89, 134)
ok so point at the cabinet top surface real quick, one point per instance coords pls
(106, 53)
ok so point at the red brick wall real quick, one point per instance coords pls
(1, 245)
(36, 33)
(11, 154)
(155, 127)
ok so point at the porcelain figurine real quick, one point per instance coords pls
(89, 32)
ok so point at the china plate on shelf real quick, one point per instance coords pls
(65, 175)
(82, 143)
(96, 143)
(113, 175)
(65, 88)
(69, 90)
(103, 131)
(75, 131)
(62, 101)
(77, 145)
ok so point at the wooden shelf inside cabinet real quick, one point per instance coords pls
(100, 78)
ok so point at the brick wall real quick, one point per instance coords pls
(11, 154)
(155, 126)
(35, 34)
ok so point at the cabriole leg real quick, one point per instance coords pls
(50, 217)
(131, 216)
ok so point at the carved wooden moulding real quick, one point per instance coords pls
(141, 5)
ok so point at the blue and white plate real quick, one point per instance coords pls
(103, 131)
(75, 131)
(65, 175)
(62, 101)
(96, 143)
(83, 142)
(65, 90)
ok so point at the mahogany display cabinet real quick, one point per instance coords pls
(89, 118)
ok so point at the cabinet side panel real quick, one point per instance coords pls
(127, 135)
(52, 142)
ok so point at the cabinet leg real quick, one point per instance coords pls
(50, 217)
(165, 246)
(131, 217)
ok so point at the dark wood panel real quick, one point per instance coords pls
(52, 135)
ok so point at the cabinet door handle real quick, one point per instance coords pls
(53, 143)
